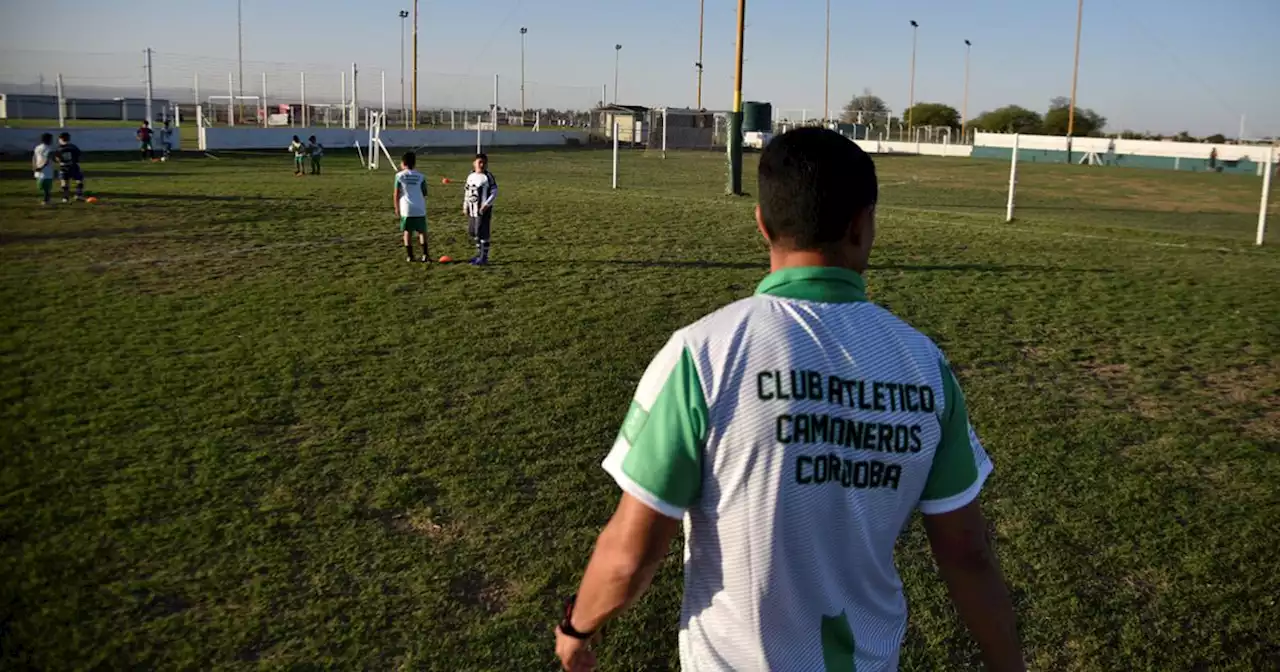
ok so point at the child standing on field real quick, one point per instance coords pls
(68, 156)
(299, 156)
(144, 142)
(42, 164)
(411, 205)
(166, 141)
(316, 150)
(477, 204)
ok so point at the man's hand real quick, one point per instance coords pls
(575, 654)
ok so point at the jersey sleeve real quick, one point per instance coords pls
(657, 457)
(960, 464)
(493, 189)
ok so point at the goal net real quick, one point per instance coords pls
(682, 128)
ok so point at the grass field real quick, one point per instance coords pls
(241, 432)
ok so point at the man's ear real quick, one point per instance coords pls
(760, 225)
(861, 226)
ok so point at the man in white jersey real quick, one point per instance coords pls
(794, 433)
(410, 201)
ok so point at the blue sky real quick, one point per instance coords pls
(1164, 65)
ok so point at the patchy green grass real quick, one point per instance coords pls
(239, 431)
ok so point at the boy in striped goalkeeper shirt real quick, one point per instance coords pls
(477, 204)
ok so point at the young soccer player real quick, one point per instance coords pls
(411, 205)
(42, 164)
(166, 141)
(477, 204)
(144, 141)
(299, 156)
(68, 156)
(317, 152)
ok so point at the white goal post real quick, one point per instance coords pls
(377, 121)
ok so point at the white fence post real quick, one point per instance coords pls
(231, 99)
(1266, 194)
(615, 153)
(263, 105)
(342, 84)
(1013, 179)
(306, 116)
(62, 104)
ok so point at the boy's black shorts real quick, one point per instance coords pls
(478, 226)
(70, 173)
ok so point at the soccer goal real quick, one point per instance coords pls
(377, 149)
(683, 128)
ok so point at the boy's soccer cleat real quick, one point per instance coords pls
(66, 200)
(426, 259)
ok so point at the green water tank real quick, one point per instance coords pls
(757, 117)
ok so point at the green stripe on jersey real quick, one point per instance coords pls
(837, 644)
(666, 442)
(954, 467)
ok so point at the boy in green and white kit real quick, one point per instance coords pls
(299, 156)
(317, 152)
(42, 164)
(410, 200)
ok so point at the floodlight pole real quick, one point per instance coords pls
(404, 113)
(735, 119)
(1075, 71)
(702, 12)
(240, 43)
(911, 92)
(964, 113)
(1268, 167)
(617, 55)
(523, 31)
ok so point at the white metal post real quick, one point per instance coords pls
(1266, 194)
(384, 93)
(1013, 179)
(479, 122)
(495, 103)
(263, 104)
(664, 132)
(615, 153)
(231, 99)
(452, 124)
(150, 116)
(342, 84)
(62, 105)
(355, 99)
(306, 116)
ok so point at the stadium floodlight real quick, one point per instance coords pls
(911, 91)
(617, 51)
(1075, 74)
(964, 108)
(404, 113)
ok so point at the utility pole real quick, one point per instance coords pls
(735, 119)
(523, 32)
(355, 104)
(911, 95)
(240, 45)
(1075, 71)
(826, 73)
(964, 112)
(702, 12)
(415, 64)
(149, 84)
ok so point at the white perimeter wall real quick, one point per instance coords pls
(16, 140)
(1186, 150)
(924, 148)
(213, 139)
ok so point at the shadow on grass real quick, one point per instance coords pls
(25, 173)
(1067, 206)
(81, 234)
(184, 198)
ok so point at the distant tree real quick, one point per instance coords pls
(1216, 138)
(868, 106)
(1058, 119)
(933, 114)
(1132, 135)
(1009, 119)
(1184, 136)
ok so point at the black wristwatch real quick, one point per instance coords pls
(566, 624)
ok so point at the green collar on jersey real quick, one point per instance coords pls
(823, 284)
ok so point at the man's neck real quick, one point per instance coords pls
(780, 259)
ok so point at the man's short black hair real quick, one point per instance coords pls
(813, 183)
(312, 138)
(64, 136)
(482, 156)
(409, 160)
(46, 138)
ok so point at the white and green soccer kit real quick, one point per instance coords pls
(795, 432)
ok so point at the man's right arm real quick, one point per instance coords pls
(957, 533)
